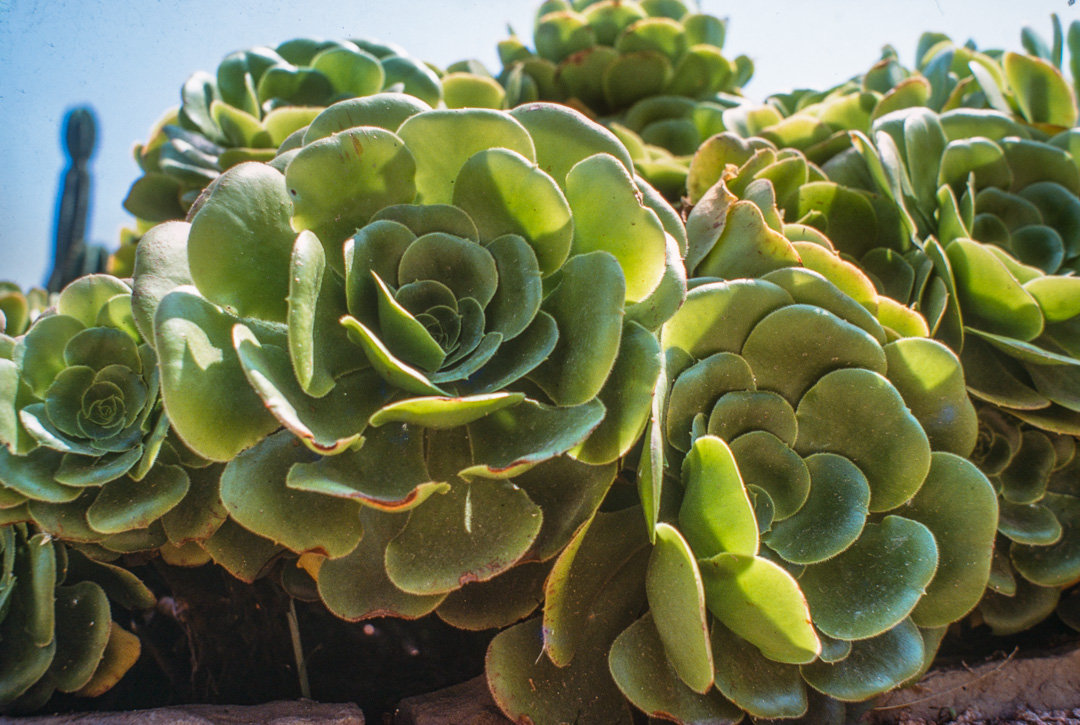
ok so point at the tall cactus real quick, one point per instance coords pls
(72, 257)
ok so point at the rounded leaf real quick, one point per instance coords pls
(875, 583)
(959, 506)
(337, 183)
(762, 603)
(240, 242)
(858, 414)
(506, 193)
(677, 601)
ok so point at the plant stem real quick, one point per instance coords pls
(298, 652)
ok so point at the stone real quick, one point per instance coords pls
(469, 703)
(299, 712)
(997, 689)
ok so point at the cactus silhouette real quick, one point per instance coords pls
(72, 256)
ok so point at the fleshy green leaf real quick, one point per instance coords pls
(832, 517)
(388, 472)
(627, 396)
(84, 298)
(472, 533)
(769, 463)
(698, 386)
(718, 317)
(242, 553)
(326, 425)
(318, 346)
(762, 603)
(644, 674)
(874, 666)
(794, 347)
(677, 601)
(161, 265)
(588, 309)
(526, 684)
(875, 583)
(496, 603)
(858, 414)
(716, 515)
(564, 137)
(506, 193)
(436, 412)
(1028, 606)
(254, 490)
(40, 353)
(198, 363)
(761, 686)
(83, 623)
(964, 533)
(514, 439)
(1056, 565)
(609, 216)
(600, 555)
(356, 587)
(929, 377)
(337, 183)
(992, 299)
(1041, 91)
(390, 368)
(740, 244)
(240, 242)
(442, 141)
(385, 110)
(34, 476)
(126, 504)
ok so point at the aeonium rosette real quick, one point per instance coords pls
(18, 310)
(56, 623)
(1037, 558)
(433, 301)
(82, 423)
(250, 104)
(816, 525)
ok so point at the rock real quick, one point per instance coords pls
(469, 703)
(301, 712)
(996, 689)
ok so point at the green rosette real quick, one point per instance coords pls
(807, 494)
(1037, 556)
(55, 621)
(419, 337)
(602, 57)
(87, 454)
(250, 105)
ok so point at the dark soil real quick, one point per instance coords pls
(213, 639)
(971, 644)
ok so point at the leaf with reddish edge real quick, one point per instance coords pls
(356, 587)
(473, 532)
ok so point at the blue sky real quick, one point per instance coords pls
(129, 59)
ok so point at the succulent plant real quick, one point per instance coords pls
(990, 218)
(1037, 476)
(970, 291)
(86, 452)
(651, 71)
(958, 216)
(1029, 86)
(479, 298)
(253, 102)
(947, 77)
(18, 310)
(602, 57)
(808, 528)
(55, 621)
